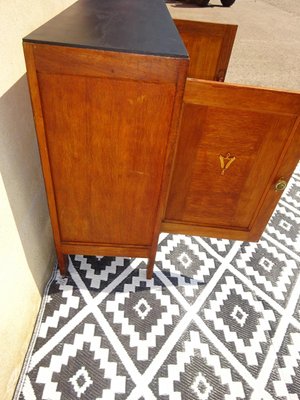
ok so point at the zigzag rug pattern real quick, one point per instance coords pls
(219, 320)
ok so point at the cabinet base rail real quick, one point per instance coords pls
(63, 251)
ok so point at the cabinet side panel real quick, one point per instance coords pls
(41, 137)
(107, 142)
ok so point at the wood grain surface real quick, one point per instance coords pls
(209, 46)
(106, 124)
(256, 126)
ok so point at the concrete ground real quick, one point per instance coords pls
(267, 47)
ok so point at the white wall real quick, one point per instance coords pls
(26, 245)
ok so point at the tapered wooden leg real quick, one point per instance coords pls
(63, 262)
(150, 267)
(151, 258)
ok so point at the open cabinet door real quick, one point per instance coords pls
(209, 46)
(237, 148)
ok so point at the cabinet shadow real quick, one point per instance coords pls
(21, 173)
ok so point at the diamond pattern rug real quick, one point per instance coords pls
(219, 320)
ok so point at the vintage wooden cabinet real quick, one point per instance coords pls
(130, 146)
(106, 81)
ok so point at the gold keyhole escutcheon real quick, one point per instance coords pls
(280, 185)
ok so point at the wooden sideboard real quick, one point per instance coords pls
(135, 141)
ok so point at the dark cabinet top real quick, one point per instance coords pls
(132, 26)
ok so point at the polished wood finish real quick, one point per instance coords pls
(104, 64)
(107, 133)
(100, 157)
(209, 46)
(41, 137)
(286, 166)
(259, 127)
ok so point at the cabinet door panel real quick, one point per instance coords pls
(254, 134)
(106, 155)
(209, 46)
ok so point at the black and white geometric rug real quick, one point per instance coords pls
(219, 320)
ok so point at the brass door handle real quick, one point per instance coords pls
(280, 185)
